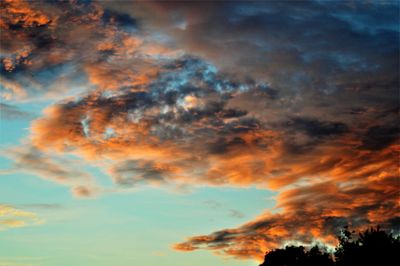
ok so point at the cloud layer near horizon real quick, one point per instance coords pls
(298, 98)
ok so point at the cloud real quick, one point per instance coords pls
(360, 192)
(236, 214)
(46, 46)
(51, 50)
(280, 42)
(296, 98)
(30, 48)
(153, 134)
(212, 204)
(319, 164)
(318, 129)
(82, 192)
(132, 171)
(60, 170)
(309, 213)
(379, 137)
(11, 217)
(10, 112)
(149, 131)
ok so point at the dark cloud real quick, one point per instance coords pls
(301, 55)
(308, 133)
(318, 129)
(131, 172)
(221, 145)
(379, 137)
(122, 20)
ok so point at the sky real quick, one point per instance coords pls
(191, 133)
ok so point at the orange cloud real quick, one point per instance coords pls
(315, 210)
(22, 13)
(328, 173)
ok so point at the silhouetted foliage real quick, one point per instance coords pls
(371, 247)
(298, 256)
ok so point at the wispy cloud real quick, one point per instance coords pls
(11, 217)
(11, 112)
(56, 169)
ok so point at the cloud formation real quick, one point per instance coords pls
(297, 98)
(313, 211)
(11, 217)
(289, 45)
(11, 112)
(63, 171)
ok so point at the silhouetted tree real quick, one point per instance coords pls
(371, 247)
(298, 256)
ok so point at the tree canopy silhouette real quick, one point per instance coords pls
(298, 256)
(371, 247)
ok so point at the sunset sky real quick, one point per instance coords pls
(194, 133)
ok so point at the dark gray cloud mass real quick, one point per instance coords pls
(301, 44)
